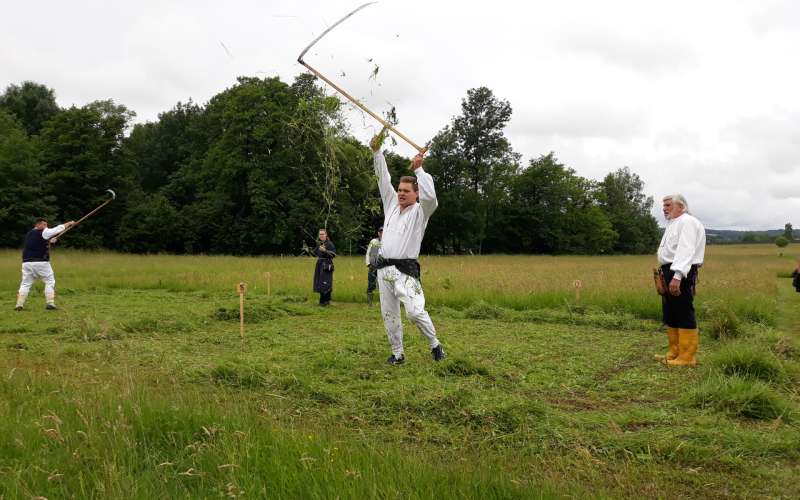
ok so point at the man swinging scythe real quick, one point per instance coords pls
(406, 214)
(36, 256)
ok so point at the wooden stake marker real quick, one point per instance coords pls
(241, 288)
(578, 284)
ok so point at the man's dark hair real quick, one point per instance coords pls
(38, 220)
(409, 179)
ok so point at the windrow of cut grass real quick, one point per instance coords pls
(741, 277)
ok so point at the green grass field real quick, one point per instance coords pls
(140, 387)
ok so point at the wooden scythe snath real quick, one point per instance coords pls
(352, 99)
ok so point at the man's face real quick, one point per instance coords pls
(667, 207)
(675, 211)
(380, 235)
(41, 225)
(406, 195)
(323, 235)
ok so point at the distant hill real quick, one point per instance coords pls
(723, 236)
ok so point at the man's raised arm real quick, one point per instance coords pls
(388, 194)
(427, 191)
(51, 232)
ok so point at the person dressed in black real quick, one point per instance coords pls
(796, 278)
(323, 272)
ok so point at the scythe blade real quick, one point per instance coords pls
(352, 99)
(337, 23)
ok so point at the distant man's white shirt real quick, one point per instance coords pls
(403, 230)
(374, 246)
(683, 244)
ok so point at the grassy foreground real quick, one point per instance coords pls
(139, 387)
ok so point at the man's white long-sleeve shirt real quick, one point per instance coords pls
(50, 232)
(683, 244)
(403, 230)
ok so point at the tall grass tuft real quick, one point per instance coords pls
(484, 310)
(125, 442)
(740, 397)
(747, 361)
(724, 323)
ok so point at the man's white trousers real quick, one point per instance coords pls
(396, 288)
(32, 271)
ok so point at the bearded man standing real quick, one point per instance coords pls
(681, 253)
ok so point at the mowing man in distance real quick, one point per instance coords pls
(680, 254)
(404, 226)
(36, 262)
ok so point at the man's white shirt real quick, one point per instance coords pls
(403, 230)
(49, 232)
(683, 244)
(375, 242)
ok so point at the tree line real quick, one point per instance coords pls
(264, 164)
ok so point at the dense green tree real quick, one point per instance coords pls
(788, 233)
(23, 193)
(82, 156)
(278, 166)
(622, 198)
(32, 103)
(781, 241)
(263, 165)
(472, 154)
(151, 225)
(552, 210)
(160, 148)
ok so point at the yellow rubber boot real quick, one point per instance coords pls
(672, 338)
(688, 342)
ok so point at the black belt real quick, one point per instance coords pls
(405, 266)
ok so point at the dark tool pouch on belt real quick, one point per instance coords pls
(405, 266)
(658, 278)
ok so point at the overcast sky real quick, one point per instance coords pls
(699, 97)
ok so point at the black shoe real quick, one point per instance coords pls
(50, 307)
(18, 308)
(396, 361)
(438, 353)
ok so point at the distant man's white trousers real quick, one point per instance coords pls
(396, 288)
(32, 271)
